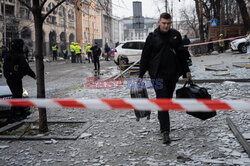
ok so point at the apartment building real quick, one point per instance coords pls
(59, 26)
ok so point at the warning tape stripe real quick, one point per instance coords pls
(215, 41)
(139, 104)
(215, 105)
(166, 104)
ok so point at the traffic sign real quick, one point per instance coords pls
(214, 22)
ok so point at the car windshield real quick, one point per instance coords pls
(3, 82)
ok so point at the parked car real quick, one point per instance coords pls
(5, 93)
(240, 44)
(127, 48)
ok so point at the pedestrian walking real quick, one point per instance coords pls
(163, 57)
(78, 51)
(14, 68)
(96, 52)
(72, 51)
(65, 53)
(89, 52)
(107, 50)
(54, 50)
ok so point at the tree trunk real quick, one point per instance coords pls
(244, 14)
(197, 5)
(43, 127)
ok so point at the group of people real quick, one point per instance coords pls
(92, 54)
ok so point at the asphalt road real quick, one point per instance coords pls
(61, 76)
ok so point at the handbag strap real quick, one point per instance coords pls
(190, 82)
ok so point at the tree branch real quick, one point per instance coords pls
(44, 1)
(26, 5)
(105, 9)
(51, 10)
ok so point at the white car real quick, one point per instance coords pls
(240, 44)
(128, 48)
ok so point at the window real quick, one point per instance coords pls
(50, 6)
(12, 1)
(61, 11)
(24, 13)
(71, 15)
(9, 10)
(131, 45)
(51, 19)
(28, 2)
(26, 33)
(141, 45)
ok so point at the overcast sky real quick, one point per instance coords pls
(150, 8)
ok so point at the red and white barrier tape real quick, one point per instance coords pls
(139, 104)
(216, 41)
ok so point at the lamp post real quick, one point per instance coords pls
(4, 24)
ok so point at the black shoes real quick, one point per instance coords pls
(166, 138)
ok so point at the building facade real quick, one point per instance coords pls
(117, 31)
(59, 26)
(92, 29)
(106, 5)
(131, 33)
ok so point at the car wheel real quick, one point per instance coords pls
(242, 48)
(123, 62)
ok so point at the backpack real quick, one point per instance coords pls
(12, 67)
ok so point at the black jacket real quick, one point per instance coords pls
(161, 46)
(96, 51)
(15, 67)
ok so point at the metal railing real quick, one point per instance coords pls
(127, 67)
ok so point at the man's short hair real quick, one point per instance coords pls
(165, 16)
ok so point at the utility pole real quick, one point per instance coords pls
(64, 40)
(4, 24)
(221, 13)
(201, 9)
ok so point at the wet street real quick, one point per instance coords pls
(116, 138)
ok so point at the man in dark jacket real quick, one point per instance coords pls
(14, 68)
(96, 52)
(164, 57)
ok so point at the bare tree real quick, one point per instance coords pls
(244, 14)
(190, 18)
(36, 9)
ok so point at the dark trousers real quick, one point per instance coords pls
(54, 55)
(97, 64)
(16, 88)
(107, 56)
(209, 50)
(164, 88)
(89, 56)
(73, 57)
(221, 49)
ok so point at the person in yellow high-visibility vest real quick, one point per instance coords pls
(54, 50)
(221, 44)
(72, 51)
(65, 53)
(89, 52)
(78, 51)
